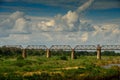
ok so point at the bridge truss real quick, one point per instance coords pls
(110, 47)
(85, 47)
(13, 46)
(65, 47)
(60, 47)
(36, 47)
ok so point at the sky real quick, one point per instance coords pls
(59, 22)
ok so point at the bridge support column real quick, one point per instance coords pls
(48, 53)
(99, 52)
(24, 55)
(73, 54)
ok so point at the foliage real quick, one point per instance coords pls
(35, 52)
(4, 51)
(20, 58)
(54, 68)
(63, 58)
(14, 52)
(22, 62)
(104, 53)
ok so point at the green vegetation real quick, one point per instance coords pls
(58, 67)
(104, 53)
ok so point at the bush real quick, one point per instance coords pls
(20, 58)
(2, 77)
(10, 76)
(20, 63)
(56, 76)
(28, 68)
(1, 59)
(42, 76)
(63, 58)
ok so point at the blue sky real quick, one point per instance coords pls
(59, 22)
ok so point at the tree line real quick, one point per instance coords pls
(12, 51)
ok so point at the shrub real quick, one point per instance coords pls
(27, 68)
(56, 76)
(2, 76)
(1, 59)
(11, 76)
(42, 76)
(20, 58)
(20, 63)
(63, 58)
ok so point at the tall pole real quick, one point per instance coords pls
(73, 54)
(48, 53)
(24, 54)
(98, 52)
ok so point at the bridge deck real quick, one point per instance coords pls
(66, 47)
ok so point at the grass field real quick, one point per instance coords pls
(62, 67)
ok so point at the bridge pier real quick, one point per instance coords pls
(73, 54)
(48, 53)
(24, 54)
(98, 52)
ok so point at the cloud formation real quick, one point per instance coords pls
(14, 24)
(71, 20)
(63, 29)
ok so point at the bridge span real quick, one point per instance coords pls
(98, 49)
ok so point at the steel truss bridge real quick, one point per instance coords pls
(98, 48)
(66, 47)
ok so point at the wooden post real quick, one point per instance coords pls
(24, 55)
(73, 54)
(98, 52)
(48, 53)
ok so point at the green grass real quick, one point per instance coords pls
(87, 66)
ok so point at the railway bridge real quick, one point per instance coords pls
(98, 49)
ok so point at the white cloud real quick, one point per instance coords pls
(68, 22)
(110, 29)
(84, 37)
(48, 36)
(50, 23)
(84, 6)
(66, 29)
(14, 23)
(20, 25)
(46, 25)
(70, 18)
(106, 34)
(16, 15)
